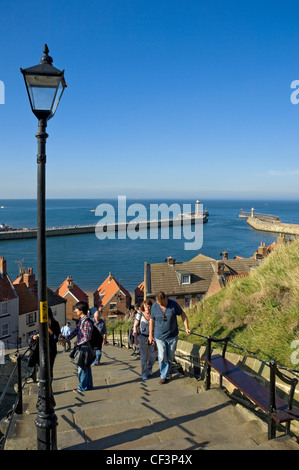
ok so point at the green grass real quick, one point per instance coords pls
(260, 312)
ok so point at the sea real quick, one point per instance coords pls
(89, 260)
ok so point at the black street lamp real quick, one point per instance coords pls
(45, 85)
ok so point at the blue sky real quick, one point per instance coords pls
(165, 98)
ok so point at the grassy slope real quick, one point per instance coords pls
(259, 312)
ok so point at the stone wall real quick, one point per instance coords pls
(276, 227)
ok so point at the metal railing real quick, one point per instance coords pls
(274, 372)
(18, 405)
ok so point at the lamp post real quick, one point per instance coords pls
(45, 85)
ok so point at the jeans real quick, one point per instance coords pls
(85, 379)
(98, 356)
(148, 355)
(166, 350)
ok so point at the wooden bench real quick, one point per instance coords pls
(265, 398)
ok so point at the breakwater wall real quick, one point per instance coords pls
(276, 227)
(24, 233)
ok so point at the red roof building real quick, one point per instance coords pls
(112, 299)
(72, 293)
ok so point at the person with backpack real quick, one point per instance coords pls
(86, 355)
(148, 352)
(100, 325)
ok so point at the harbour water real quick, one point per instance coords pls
(89, 260)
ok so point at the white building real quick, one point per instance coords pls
(9, 309)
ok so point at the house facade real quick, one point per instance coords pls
(72, 294)
(26, 288)
(9, 309)
(28, 313)
(112, 299)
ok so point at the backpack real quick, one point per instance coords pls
(131, 336)
(96, 337)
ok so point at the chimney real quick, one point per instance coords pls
(262, 250)
(281, 240)
(170, 260)
(21, 270)
(2, 265)
(110, 277)
(29, 278)
(224, 255)
(70, 282)
(220, 268)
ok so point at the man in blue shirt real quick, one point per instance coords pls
(164, 330)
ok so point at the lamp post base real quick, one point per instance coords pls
(46, 432)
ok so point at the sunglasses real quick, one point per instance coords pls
(164, 317)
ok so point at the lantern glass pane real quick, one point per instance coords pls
(57, 97)
(42, 91)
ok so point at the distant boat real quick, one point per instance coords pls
(92, 210)
(2, 207)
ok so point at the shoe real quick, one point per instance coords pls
(170, 377)
(163, 381)
(144, 377)
(76, 390)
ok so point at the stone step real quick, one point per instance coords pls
(125, 413)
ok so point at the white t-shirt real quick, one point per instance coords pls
(65, 330)
(143, 323)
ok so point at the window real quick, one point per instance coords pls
(186, 278)
(31, 318)
(4, 330)
(4, 308)
(112, 305)
(187, 302)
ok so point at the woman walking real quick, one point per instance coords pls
(148, 352)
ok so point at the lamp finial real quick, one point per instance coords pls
(46, 59)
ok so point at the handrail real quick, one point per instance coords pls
(293, 371)
(272, 386)
(18, 405)
(227, 340)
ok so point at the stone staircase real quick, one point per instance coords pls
(123, 412)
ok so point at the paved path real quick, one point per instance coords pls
(125, 413)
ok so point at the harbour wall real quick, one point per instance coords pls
(82, 229)
(276, 227)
